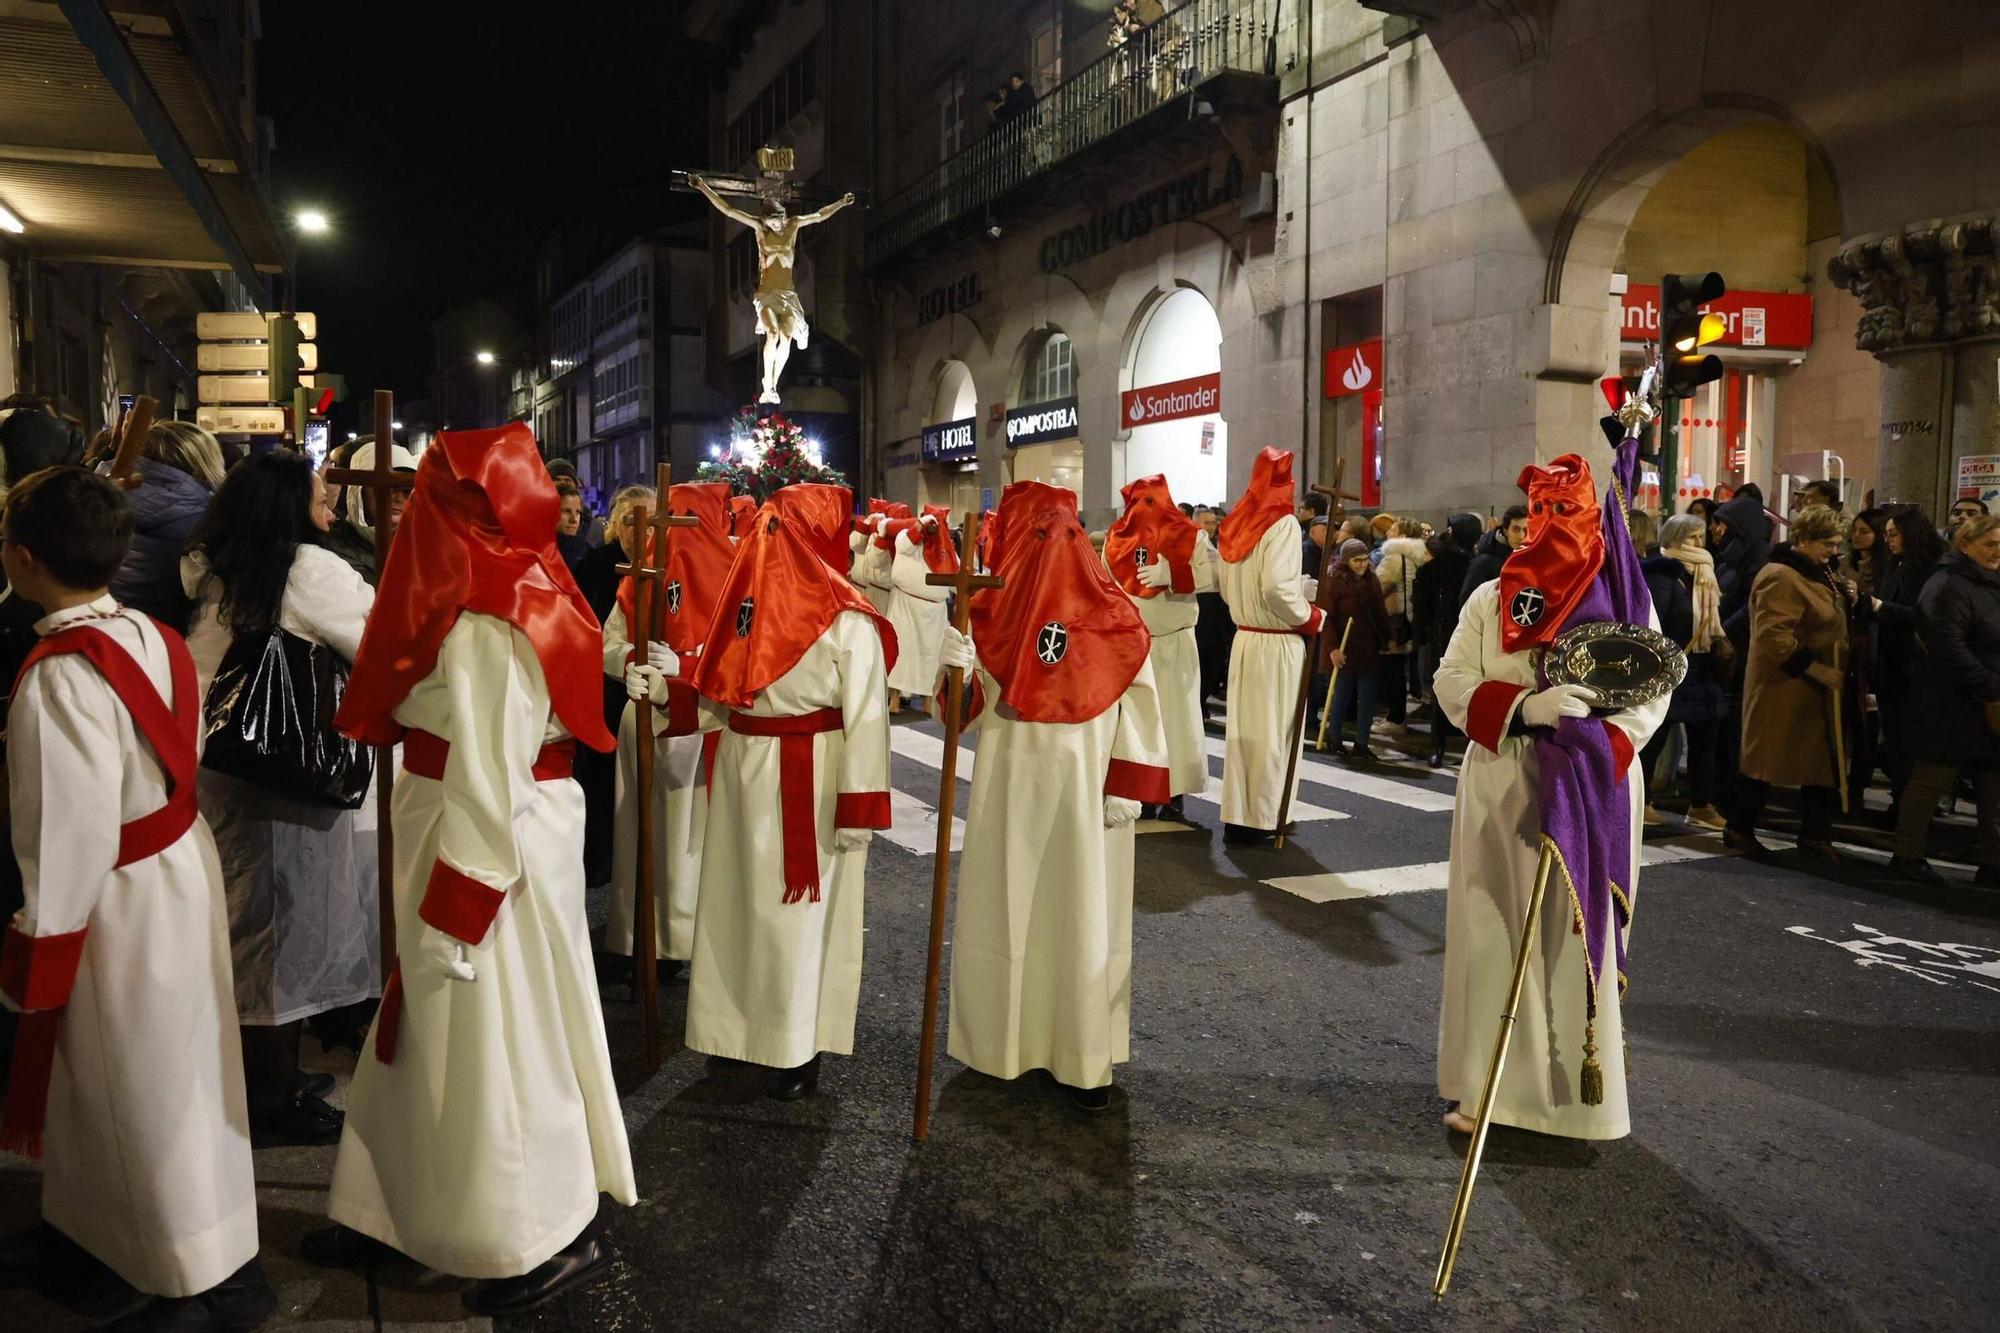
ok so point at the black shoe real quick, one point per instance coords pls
(304, 1122)
(1244, 835)
(1175, 811)
(1915, 868)
(316, 1085)
(1736, 840)
(586, 1258)
(1819, 849)
(239, 1303)
(344, 1247)
(1148, 811)
(1089, 1099)
(1364, 753)
(789, 1085)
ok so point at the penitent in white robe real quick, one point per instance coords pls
(680, 798)
(772, 982)
(919, 613)
(1170, 618)
(482, 1149)
(1041, 955)
(1264, 593)
(873, 573)
(146, 1150)
(1495, 829)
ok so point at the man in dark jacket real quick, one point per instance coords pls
(1494, 550)
(1740, 532)
(1434, 603)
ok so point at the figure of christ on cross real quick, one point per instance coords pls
(963, 584)
(380, 482)
(781, 317)
(1334, 512)
(648, 572)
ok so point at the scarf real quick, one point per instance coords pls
(1707, 596)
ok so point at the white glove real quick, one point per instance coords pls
(1159, 574)
(1119, 812)
(957, 651)
(446, 955)
(663, 660)
(1309, 589)
(1545, 708)
(852, 839)
(646, 682)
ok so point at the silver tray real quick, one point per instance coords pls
(1624, 665)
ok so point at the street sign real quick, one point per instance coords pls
(245, 358)
(229, 325)
(240, 420)
(220, 389)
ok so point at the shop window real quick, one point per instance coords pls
(1051, 371)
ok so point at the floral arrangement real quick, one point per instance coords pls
(766, 454)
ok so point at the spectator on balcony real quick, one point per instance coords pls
(1020, 96)
(996, 110)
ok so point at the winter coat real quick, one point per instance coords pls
(1958, 671)
(1434, 597)
(1797, 667)
(1898, 625)
(1698, 698)
(1486, 561)
(346, 541)
(165, 507)
(1402, 557)
(1739, 557)
(1356, 598)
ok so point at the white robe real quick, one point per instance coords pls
(1041, 955)
(1495, 829)
(680, 798)
(774, 982)
(919, 613)
(1263, 592)
(873, 572)
(482, 1149)
(146, 1151)
(1170, 618)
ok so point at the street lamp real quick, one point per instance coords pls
(313, 222)
(483, 357)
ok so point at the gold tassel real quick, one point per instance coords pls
(1593, 1073)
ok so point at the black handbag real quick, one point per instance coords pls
(268, 720)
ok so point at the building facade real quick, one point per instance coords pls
(1408, 238)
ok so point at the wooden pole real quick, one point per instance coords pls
(381, 481)
(1333, 679)
(1298, 739)
(131, 435)
(965, 581)
(1462, 1205)
(657, 523)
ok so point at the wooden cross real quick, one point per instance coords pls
(131, 434)
(381, 482)
(657, 522)
(965, 582)
(1334, 508)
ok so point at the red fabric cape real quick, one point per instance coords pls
(932, 532)
(741, 509)
(698, 561)
(1269, 499)
(1560, 559)
(1054, 578)
(989, 532)
(785, 568)
(479, 535)
(1152, 522)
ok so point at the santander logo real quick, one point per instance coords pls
(1357, 376)
(1200, 396)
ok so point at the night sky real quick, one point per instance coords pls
(445, 140)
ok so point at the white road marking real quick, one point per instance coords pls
(1426, 878)
(1327, 774)
(913, 825)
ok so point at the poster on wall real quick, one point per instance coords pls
(1979, 478)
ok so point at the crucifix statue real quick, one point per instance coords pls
(781, 317)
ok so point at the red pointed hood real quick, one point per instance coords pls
(698, 561)
(1541, 583)
(783, 591)
(742, 508)
(479, 535)
(1060, 638)
(931, 532)
(1151, 526)
(1270, 498)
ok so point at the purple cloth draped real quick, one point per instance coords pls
(1583, 805)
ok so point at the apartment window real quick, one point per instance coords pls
(951, 116)
(1045, 43)
(790, 91)
(1051, 372)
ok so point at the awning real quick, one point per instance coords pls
(121, 143)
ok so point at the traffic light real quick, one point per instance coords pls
(282, 351)
(1685, 330)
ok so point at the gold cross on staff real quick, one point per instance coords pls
(381, 480)
(656, 521)
(131, 434)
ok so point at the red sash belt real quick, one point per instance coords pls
(53, 961)
(424, 754)
(795, 785)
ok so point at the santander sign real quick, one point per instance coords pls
(1197, 397)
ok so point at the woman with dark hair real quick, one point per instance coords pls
(1914, 549)
(1867, 551)
(302, 895)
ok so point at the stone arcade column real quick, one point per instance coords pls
(1930, 312)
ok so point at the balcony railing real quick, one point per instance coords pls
(1192, 44)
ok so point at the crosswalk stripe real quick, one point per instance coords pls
(913, 825)
(1314, 769)
(1425, 878)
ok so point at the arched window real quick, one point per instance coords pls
(1051, 371)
